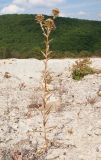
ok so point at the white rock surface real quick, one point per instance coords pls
(77, 125)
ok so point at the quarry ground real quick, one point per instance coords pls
(75, 123)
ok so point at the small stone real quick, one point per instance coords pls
(99, 93)
(97, 149)
(64, 153)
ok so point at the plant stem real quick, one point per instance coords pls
(45, 86)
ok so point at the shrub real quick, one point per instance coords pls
(82, 68)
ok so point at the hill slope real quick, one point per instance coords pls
(21, 37)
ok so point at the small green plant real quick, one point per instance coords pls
(47, 26)
(82, 68)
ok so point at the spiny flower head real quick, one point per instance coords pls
(49, 24)
(39, 18)
(55, 12)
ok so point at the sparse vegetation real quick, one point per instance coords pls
(25, 154)
(91, 100)
(82, 68)
(42, 115)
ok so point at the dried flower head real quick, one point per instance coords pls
(55, 12)
(49, 23)
(47, 26)
(39, 18)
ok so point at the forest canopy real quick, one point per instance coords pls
(20, 37)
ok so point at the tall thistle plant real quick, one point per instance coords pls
(47, 27)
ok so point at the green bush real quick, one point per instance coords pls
(82, 68)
